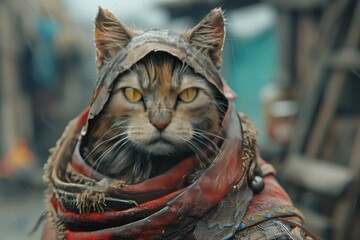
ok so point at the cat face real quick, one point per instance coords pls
(159, 111)
(165, 106)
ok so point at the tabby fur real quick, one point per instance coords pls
(125, 140)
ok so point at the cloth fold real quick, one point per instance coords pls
(160, 206)
(218, 205)
(85, 204)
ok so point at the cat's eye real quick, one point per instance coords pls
(132, 94)
(188, 95)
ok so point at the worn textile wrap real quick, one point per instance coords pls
(220, 204)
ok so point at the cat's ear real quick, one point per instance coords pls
(110, 36)
(208, 35)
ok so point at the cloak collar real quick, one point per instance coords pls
(142, 44)
(86, 205)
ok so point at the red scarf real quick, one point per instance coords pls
(84, 204)
(165, 206)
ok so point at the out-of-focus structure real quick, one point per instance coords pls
(302, 56)
(320, 66)
(41, 75)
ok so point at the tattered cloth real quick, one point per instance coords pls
(220, 204)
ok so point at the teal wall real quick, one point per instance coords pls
(249, 65)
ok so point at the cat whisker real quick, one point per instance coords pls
(119, 165)
(103, 155)
(121, 146)
(183, 68)
(119, 123)
(112, 129)
(199, 50)
(220, 105)
(205, 140)
(103, 142)
(198, 139)
(113, 145)
(210, 134)
(197, 151)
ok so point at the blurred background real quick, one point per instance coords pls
(295, 66)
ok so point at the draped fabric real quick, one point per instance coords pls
(220, 204)
(83, 204)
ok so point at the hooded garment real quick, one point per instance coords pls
(227, 201)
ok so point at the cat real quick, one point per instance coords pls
(159, 111)
(166, 154)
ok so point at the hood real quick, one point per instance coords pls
(141, 45)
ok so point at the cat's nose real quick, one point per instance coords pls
(160, 120)
(161, 124)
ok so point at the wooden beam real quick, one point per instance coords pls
(318, 175)
(345, 59)
(333, 91)
(328, 106)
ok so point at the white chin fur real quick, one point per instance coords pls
(160, 148)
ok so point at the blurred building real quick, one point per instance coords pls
(320, 66)
(42, 83)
